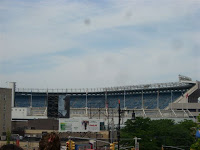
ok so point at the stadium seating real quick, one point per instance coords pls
(96, 101)
(22, 101)
(39, 101)
(78, 101)
(25, 101)
(132, 101)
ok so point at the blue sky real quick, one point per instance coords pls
(88, 44)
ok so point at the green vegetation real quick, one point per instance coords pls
(155, 133)
(196, 145)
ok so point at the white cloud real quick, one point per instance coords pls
(49, 26)
(32, 29)
(107, 69)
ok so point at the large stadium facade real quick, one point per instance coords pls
(162, 100)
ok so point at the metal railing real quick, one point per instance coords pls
(106, 89)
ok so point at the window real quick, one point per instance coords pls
(4, 128)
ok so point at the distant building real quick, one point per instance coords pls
(5, 110)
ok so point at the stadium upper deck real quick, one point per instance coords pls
(147, 96)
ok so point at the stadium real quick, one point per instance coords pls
(94, 113)
(161, 100)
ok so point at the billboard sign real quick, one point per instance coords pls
(68, 125)
(90, 125)
(79, 125)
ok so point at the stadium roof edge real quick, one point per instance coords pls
(192, 82)
(108, 89)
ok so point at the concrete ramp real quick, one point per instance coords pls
(184, 97)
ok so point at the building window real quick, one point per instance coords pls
(4, 128)
(4, 97)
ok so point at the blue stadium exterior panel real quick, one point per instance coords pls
(131, 99)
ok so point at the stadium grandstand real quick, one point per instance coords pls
(173, 99)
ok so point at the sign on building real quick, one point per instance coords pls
(79, 125)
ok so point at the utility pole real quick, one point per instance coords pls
(108, 123)
(118, 131)
(96, 140)
(112, 128)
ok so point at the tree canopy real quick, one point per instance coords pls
(196, 145)
(155, 133)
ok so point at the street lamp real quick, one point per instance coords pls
(133, 115)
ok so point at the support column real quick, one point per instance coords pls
(171, 99)
(124, 99)
(158, 100)
(86, 101)
(142, 100)
(106, 103)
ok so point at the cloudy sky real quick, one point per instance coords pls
(98, 43)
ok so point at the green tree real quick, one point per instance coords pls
(196, 145)
(155, 133)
